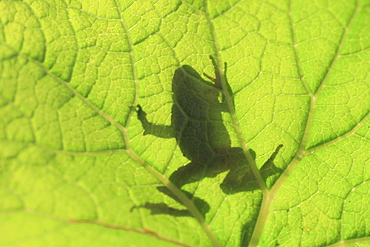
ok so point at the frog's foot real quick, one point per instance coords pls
(140, 112)
(273, 156)
(141, 115)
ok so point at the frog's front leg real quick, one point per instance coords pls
(158, 130)
(196, 170)
(217, 80)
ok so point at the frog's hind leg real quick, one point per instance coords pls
(269, 169)
(201, 205)
(192, 172)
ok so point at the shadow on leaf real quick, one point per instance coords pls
(197, 125)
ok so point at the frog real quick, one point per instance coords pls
(199, 130)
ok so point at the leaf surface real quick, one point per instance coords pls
(75, 168)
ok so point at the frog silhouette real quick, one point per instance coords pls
(197, 125)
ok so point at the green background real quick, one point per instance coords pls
(74, 161)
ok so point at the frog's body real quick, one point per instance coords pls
(197, 125)
(196, 116)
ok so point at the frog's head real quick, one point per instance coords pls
(188, 81)
(187, 77)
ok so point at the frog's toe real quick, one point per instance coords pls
(140, 111)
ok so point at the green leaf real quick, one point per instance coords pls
(76, 170)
